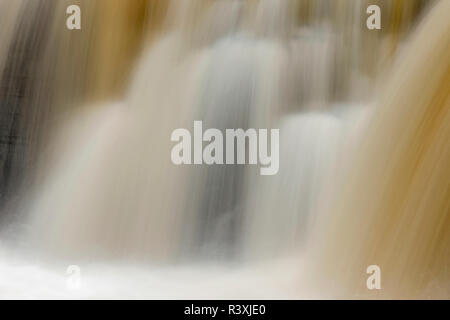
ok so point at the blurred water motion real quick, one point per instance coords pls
(87, 115)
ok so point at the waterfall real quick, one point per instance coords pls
(394, 205)
(363, 154)
(228, 84)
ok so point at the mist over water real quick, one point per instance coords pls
(88, 180)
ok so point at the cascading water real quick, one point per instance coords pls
(394, 205)
(228, 84)
(109, 198)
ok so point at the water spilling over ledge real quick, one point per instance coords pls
(85, 149)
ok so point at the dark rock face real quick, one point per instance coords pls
(19, 103)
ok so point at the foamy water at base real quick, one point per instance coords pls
(24, 279)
